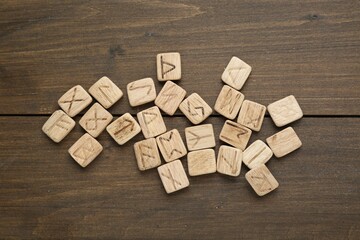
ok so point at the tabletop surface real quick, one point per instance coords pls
(310, 49)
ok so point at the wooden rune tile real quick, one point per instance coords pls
(151, 122)
(284, 142)
(235, 134)
(173, 176)
(106, 92)
(147, 154)
(257, 153)
(195, 108)
(95, 120)
(170, 97)
(171, 145)
(229, 161)
(261, 180)
(236, 73)
(58, 126)
(141, 91)
(123, 129)
(285, 111)
(251, 115)
(85, 150)
(168, 66)
(201, 162)
(74, 100)
(228, 102)
(200, 137)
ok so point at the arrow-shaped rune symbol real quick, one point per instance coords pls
(196, 108)
(197, 138)
(130, 124)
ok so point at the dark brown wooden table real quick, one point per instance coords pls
(307, 48)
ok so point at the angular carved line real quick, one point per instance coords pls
(172, 179)
(95, 120)
(86, 149)
(172, 67)
(132, 87)
(197, 138)
(72, 100)
(104, 94)
(263, 183)
(57, 124)
(130, 124)
(230, 101)
(143, 154)
(154, 116)
(195, 113)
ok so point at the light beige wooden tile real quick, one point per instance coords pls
(285, 111)
(284, 142)
(256, 154)
(58, 126)
(173, 176)
(236, 73)
(168, 66)
(229, 161)
(228, 102)
(74, 100)
(200, 137)
(141, 91)
(106, 92)
(85, 150)
(95, 120)
(251, 115)
(261, 180)
(201, 162)
(151, 122)
(170, 97)
(147, 154)
(195, 108)
(123, 129)
(171, 145)
(235, 134)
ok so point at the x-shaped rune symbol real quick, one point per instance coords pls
(72, 100)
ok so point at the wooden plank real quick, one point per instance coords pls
(306, 48)
(44, 193)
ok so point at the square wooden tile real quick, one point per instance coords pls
(123, 129)
(173, 176)
(106, 92)
(235, 134)
(200, 137)
(168, 66)
(151, 122)
(195, 108)
(201, 162)
(261, 180)
(251, 115)
(58, 126)
(141, 91)
(285, 111)
(229, 102)
(256, 154)
(229, 161)
(171, 145)
(236, 73)
(147, 154)
(95, 120)
(74, 100)
(170, 97)
(85, 150)
(284, 142)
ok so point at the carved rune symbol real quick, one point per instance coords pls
(148, 86)
(230, 101)
(169, 94)
(240, 130)
(88, 123)
(101, 89)
(151, 117)
(85, 151)
(197, 138)
(195, 113)
(256, 155)
(254, 121)
(72, 100)
(60, 122)
(168, 141)
(232, 165)
(234, 73)
(171, 179)
(145, 153)
(264, 184)
(170, 67)
(125, 125)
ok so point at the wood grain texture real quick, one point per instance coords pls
(306, 48)
(44, 193)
